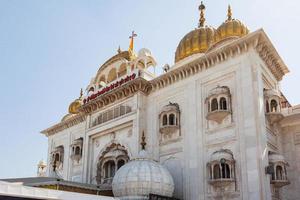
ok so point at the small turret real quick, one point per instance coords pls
(41, 169)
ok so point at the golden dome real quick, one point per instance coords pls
(196, 41)
(231, 28)
(75, 105)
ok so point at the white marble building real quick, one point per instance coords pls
(216, 119)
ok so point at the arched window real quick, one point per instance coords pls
(109, 168)
(56, 157)
(267, 107)
(77, 150)
(112, 158)
(214, 104)
(216, 171)
(279, 172)
(92, 89)
(225, 170)
(172, 119)
(112, 75)
(122, 70)
(274, 105)
(165, 120)
(120, 163)
(223, 103)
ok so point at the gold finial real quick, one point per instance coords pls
(202, 18)
(229, 13)
(119, 50)
(133, 35)
(81, 93)
(143, 143)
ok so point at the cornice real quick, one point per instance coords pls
(65, 124)
(126, 90)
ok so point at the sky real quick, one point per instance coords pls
(51, 49)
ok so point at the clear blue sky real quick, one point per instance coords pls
(51, 49)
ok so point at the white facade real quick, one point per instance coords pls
(185, 130)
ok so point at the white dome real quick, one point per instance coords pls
(144, 52)
(141, 177)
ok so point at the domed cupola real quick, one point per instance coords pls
(196, 41)
(74, 106)
(231, 28)
(141, 177)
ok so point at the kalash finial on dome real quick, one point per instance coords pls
(202, 18)
(231, 28)
(229, 13)
(198, 40)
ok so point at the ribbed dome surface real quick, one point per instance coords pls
(141, 177)
(231, 28)
(196, 41)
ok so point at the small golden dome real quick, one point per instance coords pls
(75, 105)
(196, 41)
(231, 28)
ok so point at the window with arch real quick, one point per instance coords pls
(214, 104)
(225, 170)
(120, 163)
(112, 158)
(77, 149)
(273, 97)
(216, 172)
(169, 123)
(57, 157)
(165, 120)
(221, 168)
(91, 90)
(267, 107)
(172, 120)
(218, 104)
(112, 75)
(279, 172)
(102, 81)
(223, 103)
(109, 168)
(122, 70)
(274, 105)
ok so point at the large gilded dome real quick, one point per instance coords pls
(231, 28)
(196, 41)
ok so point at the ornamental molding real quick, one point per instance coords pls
(125, 91)
(81, 117)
